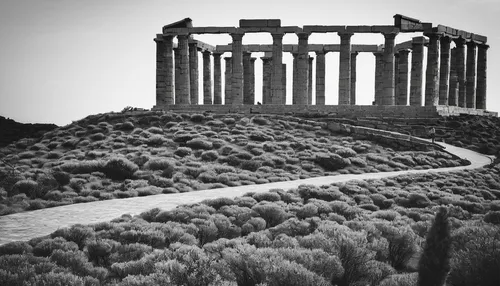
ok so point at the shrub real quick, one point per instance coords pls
(119, 168)
(250, 165)
(402, 247)
(97, 136)
(492, 217)
(127, 126)
(198, 143)
(272, 213)
(158, 164)
(183, 151)
(47, 246)
(77, 233)
(16, 247)
(434, 264)
(82, 167)
(331, 162)
(28, 187)
(259, 121)
(210, 155)
(62, 178)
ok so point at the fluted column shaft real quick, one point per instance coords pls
(177, 77)
(184, 82)
(164, 71)
(444, 71)
(388, 75)
(246, 78)
(310, 81)
(379, 70)
(227, 80)
(266, 79)
(402, 83)
(283, 83)
(417, 68)
(432, 72)
(345, 69)
(207, 78)
(320, 78)
(237, 68)
(481, 76)
(460, 45)
(354, 57)
(193, 72)
(302, 69)
(471, 75)
(396, 77)
(294, 78)
(453, 91)
(252, 81)
(277, 69)
(217, 79)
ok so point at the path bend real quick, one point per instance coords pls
(31, 224)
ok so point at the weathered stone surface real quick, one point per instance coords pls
(417, 67)
(266, 79)
(453, 91)
(310, 80)
(247, 74)
(237, 69)
(460, 50)
(227, 79)
(193, 71)
(283, 83)
(345, 69)
(207, 78)
(184, 82)
(354, 56)
(471, 76)
(245, 23)
(388, 90)
(379, 69)
(277, 69)
(217, 79)
(481, 76)
(432, 72)
(320, 78)
(402, 79)
(444, 70)
(302, 70)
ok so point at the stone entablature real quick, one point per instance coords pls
(454, 76)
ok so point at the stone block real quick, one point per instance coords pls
(331, 48)
(223, 48)
(323, 29)
(365, 48)
(291, 29)
(479, 38)
(274, 23)
(358, 29)
(245, 23)
(252, 48)
(385, 29)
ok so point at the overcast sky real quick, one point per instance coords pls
(61, 60)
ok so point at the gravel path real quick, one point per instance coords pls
(27, 225)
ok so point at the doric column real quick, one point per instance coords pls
(396, 77)
(177, 77)
(345, 69)
(207, 78)
(388, 74)
(184, 82)
(379, 70)
(402, 83)
(252, 80)
(482, 50)
(277, 69)
(283, 83)
(246, 78)
(294, 78)
(354, 56)
(164, 71)
(237, 68)
(453, 92)
(266, 80)
(310, 81)
(227, 78)
(193, 72)
(432, 72)
(217, 78)
(302, 69)
(471, 75)
(320, 78)
(460, 45)
(417, 68)
(444, 71)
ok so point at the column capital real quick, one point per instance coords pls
(303, 35)
(206, 52)
(186, 36)
(471, 44)
(445, 39)
(378, 54)
(320, 53)
(404, 51)
(459, 41)
(483, 46)
(266, 58)
(311, 59)
(391, 35)
(277, 35)
(228, 58)
(345, 35)
(237, 36)
(436, 35)
(354, 53)
(217, 53)
(252, 59)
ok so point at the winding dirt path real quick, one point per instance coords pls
(27, 225)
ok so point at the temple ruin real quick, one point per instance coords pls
(455, 78)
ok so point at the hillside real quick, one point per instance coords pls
(11, 130)
(120, 155)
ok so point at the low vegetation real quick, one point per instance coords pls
(405, 230)
(125, 155)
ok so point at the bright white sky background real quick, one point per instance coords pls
(61, 60)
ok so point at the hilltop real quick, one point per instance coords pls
(11, 130)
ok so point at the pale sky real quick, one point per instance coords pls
(61, 60)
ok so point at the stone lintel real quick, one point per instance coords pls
(358, 29)
(291, 29)
(420, 40)
(293, 48)
(252, 23)
(364, 48)
(203, 30)
(323, 29)
(202, 46)
(184, 23)
(452, 32)
(385, 29)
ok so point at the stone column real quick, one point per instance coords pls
(217, 78)
(164, 71)
(460, 48)
(207, 78)
(444, 71)
(294, 78)
(227, 78)
(354, 56)
(266, 80)
(320, 78)
(388, 74)
(379, 70)
(252, 80)
(396, 77)
(277, 69)
(184, 81)
(246, 78)
(302, 69)
(193, 72)
(482, 50)
(471, 75)
(177, 77)
(432, 72)
(345, 69)
(310, 81)
(283, 83)
(237, 68)
(402, 83)
(453, 92)
(417, 68)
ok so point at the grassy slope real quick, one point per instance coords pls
(124, 155)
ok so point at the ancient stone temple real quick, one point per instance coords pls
(455, 74)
